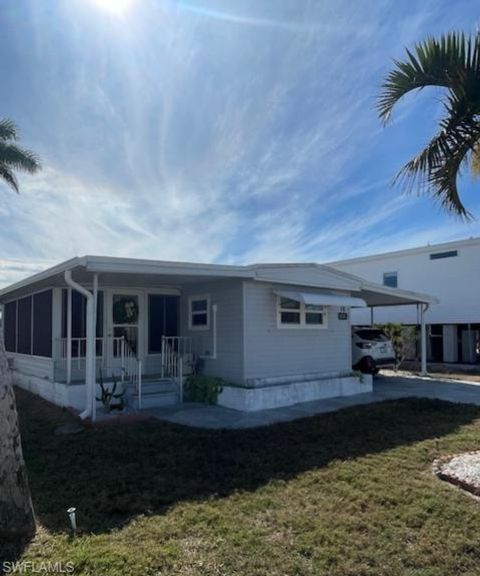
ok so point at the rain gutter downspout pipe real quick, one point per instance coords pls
(90, 374)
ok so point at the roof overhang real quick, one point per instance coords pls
(378, 295)
(132, 272)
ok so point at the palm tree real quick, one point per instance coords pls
(452, 63)
(16, 511)
(12, 156)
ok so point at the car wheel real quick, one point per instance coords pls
(368, 365)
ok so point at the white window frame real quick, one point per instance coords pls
(191, 313)
(303, 314)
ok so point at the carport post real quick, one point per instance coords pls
(423, 337)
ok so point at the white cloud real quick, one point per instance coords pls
(197, 133)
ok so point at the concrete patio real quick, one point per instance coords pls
(384, 388)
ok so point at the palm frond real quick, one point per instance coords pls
(18, 158)
(8, 176)
(452, 62)
(8, 129)
(435, 170)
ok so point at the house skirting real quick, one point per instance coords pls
(68, 395)
(284, 394)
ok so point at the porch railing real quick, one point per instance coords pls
(175, 351)
(177, 358)
(78, 350)
(130, 365)
(131, 369)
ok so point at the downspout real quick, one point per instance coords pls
(90, 347)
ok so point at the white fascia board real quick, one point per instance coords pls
(134, 266)
(53, 271)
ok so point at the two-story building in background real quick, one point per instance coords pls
(451, 273)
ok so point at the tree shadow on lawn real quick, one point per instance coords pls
(112, 474)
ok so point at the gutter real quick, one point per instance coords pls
(90, 368)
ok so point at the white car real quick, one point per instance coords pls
(371, 350)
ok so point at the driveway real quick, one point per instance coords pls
(384, 388)
(391, 387)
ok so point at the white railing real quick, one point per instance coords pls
(175, 349)
(78, 351)
(131, 369)
(130, 365)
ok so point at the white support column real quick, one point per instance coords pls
(90, 357)
(69, 335)
(423, 341)
(94, 347)
(214, 331)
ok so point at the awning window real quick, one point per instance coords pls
(318, 299)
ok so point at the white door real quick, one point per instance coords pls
(125, 321)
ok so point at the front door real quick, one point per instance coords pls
(125, 322)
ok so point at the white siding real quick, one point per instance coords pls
(272, 351)
(32, 365)
(454, 281)
(227, 295)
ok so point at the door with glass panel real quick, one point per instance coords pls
(125, 324)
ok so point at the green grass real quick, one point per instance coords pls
(343, 493)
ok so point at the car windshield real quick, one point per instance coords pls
(374, 335)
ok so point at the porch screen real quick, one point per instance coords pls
(28, 325)
(10, 326)
(24, 326)
(79, 314)
(42, 324)
(162, 320)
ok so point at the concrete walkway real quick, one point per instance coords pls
(384, 388)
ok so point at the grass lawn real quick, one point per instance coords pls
(343, 493)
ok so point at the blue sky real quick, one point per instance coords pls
(215, 131)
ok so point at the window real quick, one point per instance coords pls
(28, 325)
(199, 313)
(42, 324)
(294, 314)
(24, 326)
(162, 320)
(439, 255)
(390, 279)
(10, 326)
(290, 311)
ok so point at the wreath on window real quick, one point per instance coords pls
(125, 311)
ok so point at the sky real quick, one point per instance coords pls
(217, 131)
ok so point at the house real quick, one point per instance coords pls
(278, 334)
(448, 271)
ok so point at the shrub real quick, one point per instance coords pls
(204, 389)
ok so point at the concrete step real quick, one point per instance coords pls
(156, 393)
(158, 400)
(157, 388)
